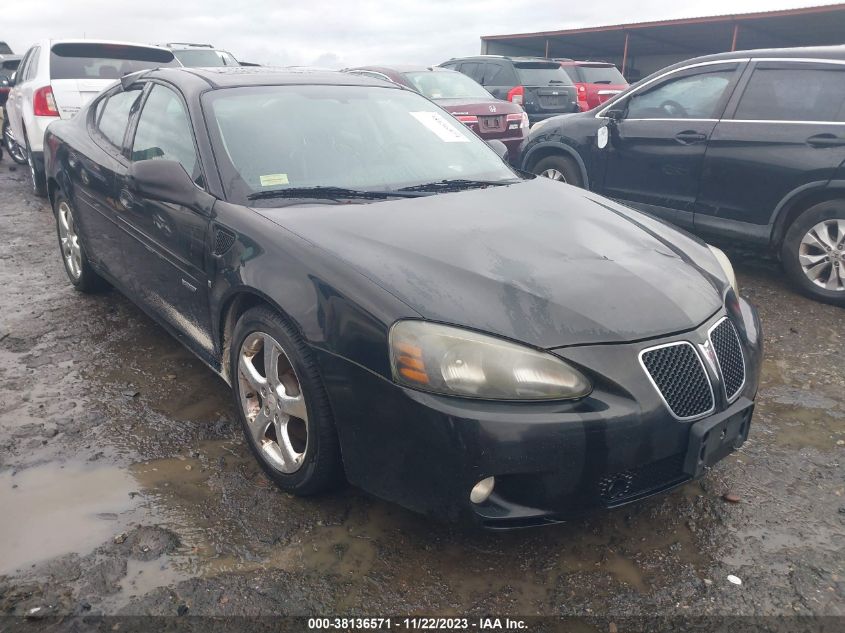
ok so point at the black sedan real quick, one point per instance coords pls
(391, 303)
(746, 146)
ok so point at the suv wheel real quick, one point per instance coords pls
(282, 404)
(560, 168)
(813, 252)
(36, 175)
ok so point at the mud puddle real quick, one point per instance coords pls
(67, 508)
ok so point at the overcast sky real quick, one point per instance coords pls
(337, 33)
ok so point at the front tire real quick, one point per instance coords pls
(282, 404)
(813, 252)
(36, 174)
(560, 168)
(78, 269)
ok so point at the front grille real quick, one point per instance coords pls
(725, 342)
(636, 482)
(678, 374)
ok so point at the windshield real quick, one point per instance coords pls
(204, 58)
(538, 74)
(104, 61)
(354, 137)
(446, 85)
(601, 75)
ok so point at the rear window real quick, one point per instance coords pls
(104, 61)
(4, 49)
(205, 58)
(446, 85)
(539, 74)
(601, 75)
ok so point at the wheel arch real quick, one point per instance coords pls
(233, 305)
(798, 201)
(551, 148)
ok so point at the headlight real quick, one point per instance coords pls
(726, 265)
(458, 362)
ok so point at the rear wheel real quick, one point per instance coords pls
(36, 174)
(15, 150)
(813, 252)
(560, 168)
(282, 404)
(78, 270)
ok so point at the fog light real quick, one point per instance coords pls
(482, 490)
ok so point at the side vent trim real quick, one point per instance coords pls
(223, 240)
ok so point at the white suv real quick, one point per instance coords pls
(57, 77)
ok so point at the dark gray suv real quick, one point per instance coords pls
(539, 85)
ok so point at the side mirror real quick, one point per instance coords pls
(12, 79)
(166, 181)
(616, 113)
(500, 148)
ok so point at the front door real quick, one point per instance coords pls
(166, 250)
(655, 155)
(784, 129)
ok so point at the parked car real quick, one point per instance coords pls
(4, 49)
(539, 85)
(746, 146)
(595, 82)
(463, 98)
(8, 65)
(201, 55)
(389, 300)
(57, 77)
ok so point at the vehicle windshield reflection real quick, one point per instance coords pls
(359, 138)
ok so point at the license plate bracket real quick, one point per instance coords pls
(715, 437)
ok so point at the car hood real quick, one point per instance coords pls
(539, 262)
(478, 107)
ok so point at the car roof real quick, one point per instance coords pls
(806, 52)
(240, 76)
(404, 68)
(502, 57)
(52, 42)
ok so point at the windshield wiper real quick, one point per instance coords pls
(330, 193)
(456, 183)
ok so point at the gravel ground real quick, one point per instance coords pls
(125, 487)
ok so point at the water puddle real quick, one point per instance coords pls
(67, 508)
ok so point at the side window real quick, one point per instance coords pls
(494, 75)
(452, 65)
(112, 115)
(164, 131)
(794, 94)
(472, 69)
(32, 64)
(691, 97)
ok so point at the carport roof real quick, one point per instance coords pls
(807, 26)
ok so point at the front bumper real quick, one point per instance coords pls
(550, 459)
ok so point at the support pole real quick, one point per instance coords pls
(736, 34)
(625, 54)
(547, 48)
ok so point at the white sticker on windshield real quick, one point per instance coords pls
(441, 126)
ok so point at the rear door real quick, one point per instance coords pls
(784, 128)
(15, 99)
(98, 174)
(79, 71)
(656, 152)
(166, 244)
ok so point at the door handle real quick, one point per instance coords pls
(689, 137)
(826, 140)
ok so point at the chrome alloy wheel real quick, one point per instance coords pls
(16, 151)
(272, 402)
(822, 254)
(69, 240)
(553, 174)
